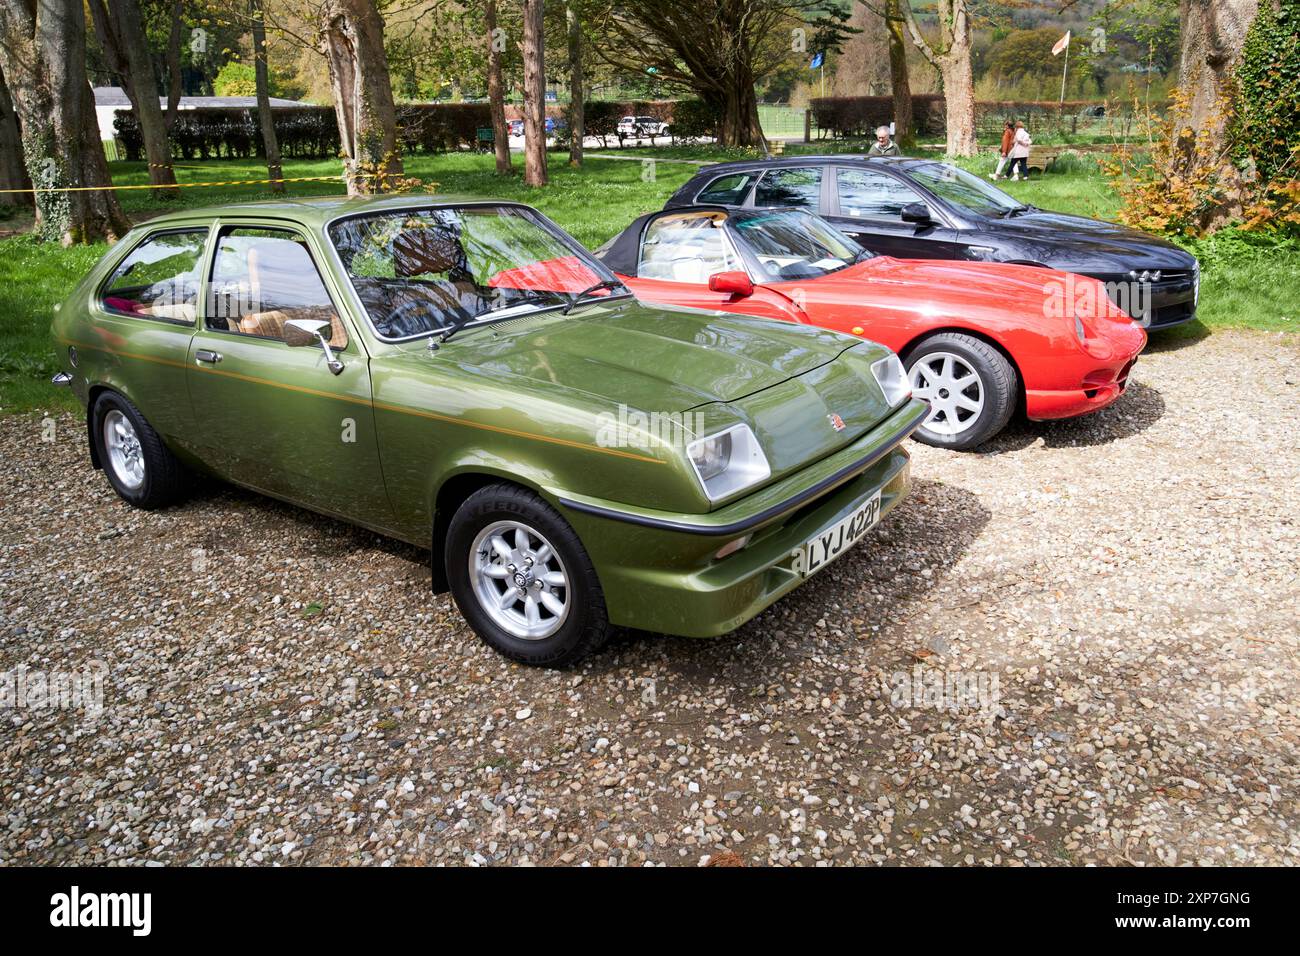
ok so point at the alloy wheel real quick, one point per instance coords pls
(519, 580)
(953, 389)
(125, 456)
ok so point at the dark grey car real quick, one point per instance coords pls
(925, 209)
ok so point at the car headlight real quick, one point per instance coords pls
(1079, 331)
(892, 379)
(728, 461)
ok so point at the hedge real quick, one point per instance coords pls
(311, 132)
(858, 116)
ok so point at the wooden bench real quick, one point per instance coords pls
(1041, 157)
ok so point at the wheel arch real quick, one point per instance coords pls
(450, 496)
(92, 396)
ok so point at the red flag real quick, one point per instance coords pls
(1061, 44)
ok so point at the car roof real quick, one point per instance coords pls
(813, 160)
(316, 211)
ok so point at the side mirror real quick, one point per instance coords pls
(917, 212)
(737, 283)
(305, 332)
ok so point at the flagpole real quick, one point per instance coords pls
(1065, 71)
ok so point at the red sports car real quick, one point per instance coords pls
(978, 339)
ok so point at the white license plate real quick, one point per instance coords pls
(838, 538)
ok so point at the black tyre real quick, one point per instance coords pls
(139, 466)
(970, 384)
(522, 578)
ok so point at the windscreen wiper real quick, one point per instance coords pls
(610, 284)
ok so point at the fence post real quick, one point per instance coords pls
(807, 125)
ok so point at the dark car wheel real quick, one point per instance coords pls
(970, 385)
(522, 578)
(140, 467)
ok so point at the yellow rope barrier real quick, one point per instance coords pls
(233, 182)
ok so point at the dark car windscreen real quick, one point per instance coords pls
(418, 271)
(963, 189)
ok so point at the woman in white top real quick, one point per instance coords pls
(1020, 152)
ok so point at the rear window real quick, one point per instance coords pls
(727, 190)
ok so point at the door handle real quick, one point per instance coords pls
(205, 355)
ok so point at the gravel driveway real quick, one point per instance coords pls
(1080, 647)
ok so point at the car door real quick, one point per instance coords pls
(272, 416)
(868, 206)
(143, 318)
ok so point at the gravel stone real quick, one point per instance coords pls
(283, 689)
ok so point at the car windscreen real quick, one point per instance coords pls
(418, 271)
(963, 189)
(793, 244)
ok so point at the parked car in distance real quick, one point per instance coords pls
(641, 127)
(464, 376)
(978, 339)
(925, 209)
(552, 126)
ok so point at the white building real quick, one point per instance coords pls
(111, 100)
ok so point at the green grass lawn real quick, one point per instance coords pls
(1244, 284)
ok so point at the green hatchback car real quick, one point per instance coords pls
(462, 375)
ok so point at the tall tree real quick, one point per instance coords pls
(717, 49)
(495, 87)
(577, 111)
(352, 38)
(173, 63)
(1213, 33)
(534, 93)
(900, 84)
(12, 173)
(43, 58)
(950, 54)
(265, 119)
(119, 26)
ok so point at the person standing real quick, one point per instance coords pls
(1004, 151)
(1020, 152)
(883, 146)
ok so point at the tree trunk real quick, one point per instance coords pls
(265, 118)
(496, 89)
(951, 56)
(738, 107)
(900, 85)
(1211, 38)
(43, 56)
(12, 173)
(120, 28)
(353, 40)
(174, 65)
(577, 110)
(959, 100)
(534, 95)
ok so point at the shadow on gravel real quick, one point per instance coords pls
(1140, 407)
(857, 598)
(1179, 337)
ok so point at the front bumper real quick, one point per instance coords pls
(660, 572)
(1102, 380)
